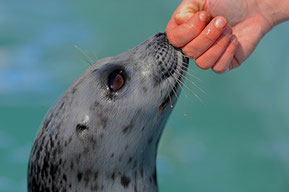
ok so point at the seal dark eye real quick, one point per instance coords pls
(116, 80)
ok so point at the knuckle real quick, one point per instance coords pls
(212, 55)
(193, 28)
(180, 18)
(210, 38)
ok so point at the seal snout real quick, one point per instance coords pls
(166, 56)
(170, 64)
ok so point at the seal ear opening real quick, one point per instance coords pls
(81, 129)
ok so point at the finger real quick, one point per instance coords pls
(179, 35)
(210, 57)
(234, 63)
(206, 38)
(187, 9)
(223, 64)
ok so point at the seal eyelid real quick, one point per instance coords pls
(116, 80)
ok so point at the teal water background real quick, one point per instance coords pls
(237, 141)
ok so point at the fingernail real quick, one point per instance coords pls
(227, 31)
(234, 39)
(220, 23)
(203, 16)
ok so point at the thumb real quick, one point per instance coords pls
(187, 9)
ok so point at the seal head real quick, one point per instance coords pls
(103, 133)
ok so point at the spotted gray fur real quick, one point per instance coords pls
(97, 140)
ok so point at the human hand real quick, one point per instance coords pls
(219, 43)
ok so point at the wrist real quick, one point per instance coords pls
(274, 11)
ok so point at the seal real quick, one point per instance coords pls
(103, 134)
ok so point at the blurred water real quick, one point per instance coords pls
(237, 141)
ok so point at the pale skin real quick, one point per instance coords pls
(222, 34)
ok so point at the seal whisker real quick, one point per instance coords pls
(95, 57)
(190, 74)
(171, 104)
(84, 53)
(173, 89)
(196, 95)
(178, 81)
(85, 61)
(193, 83)
(186, 95)
(189, 69)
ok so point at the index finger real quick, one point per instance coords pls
(180, 35)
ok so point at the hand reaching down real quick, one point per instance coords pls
(221, 34)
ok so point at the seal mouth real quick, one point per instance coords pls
(173, 92)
